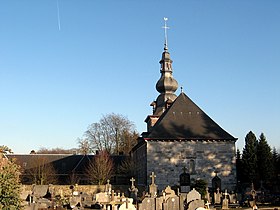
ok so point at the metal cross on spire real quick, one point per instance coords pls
(165, 33)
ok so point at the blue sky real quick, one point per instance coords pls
(58, 74)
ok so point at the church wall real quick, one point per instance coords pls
(201, 158)
(139, 158)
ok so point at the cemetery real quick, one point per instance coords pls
(183, 161)
(44, 197)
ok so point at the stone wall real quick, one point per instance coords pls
(201, 158)
(140, 159)
(65, 189)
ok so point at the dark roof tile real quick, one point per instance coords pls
(185, 120)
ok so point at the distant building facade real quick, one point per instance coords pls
(179, 134)
(63, 169)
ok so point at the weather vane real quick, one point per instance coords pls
(165, 32)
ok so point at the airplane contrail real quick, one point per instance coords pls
(58, 15)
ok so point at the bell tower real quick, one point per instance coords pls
(166, 85)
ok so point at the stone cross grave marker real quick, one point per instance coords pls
(207, 205)
(132, 181)
(133, 190)
(225, 200)
(127, 205)
(153, 186)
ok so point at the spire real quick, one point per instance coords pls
(165, 33)
(166, 85)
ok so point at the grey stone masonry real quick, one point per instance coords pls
(167, 158)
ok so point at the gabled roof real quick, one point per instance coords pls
(185, 120)
(63, 163)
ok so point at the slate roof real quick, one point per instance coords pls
(63, 163)
(185, 120)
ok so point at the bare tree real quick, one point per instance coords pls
(74, 178)
(100, 168)
(127, 167)
(113, 133)
(84, 146)
(57, 150)
(129, 140)
(41, 171)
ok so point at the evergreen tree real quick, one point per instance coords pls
(264, 160)
(274, 162)
(239, 166)
(276, 170)
(9, 184)
(249, 158)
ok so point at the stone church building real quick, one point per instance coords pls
(180, 134)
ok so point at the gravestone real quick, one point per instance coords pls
(185, 181)
(40, 191)
(233, 198)
(217, 197)
(168, 192)
(74, 201)
(183, 198)
(108, 187)
(225, 200)
(43, 203)
(208, 198)
(147, 204)
(216, 182)
(173, 203)
(193, 195)
(253, 193)
(169, 200)
(102, 197)
(153, 186)
(87, 200)
(207, 205)
(133, 190)
(193, 205)
(159, 202)
(201, 208)
(127, 205)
